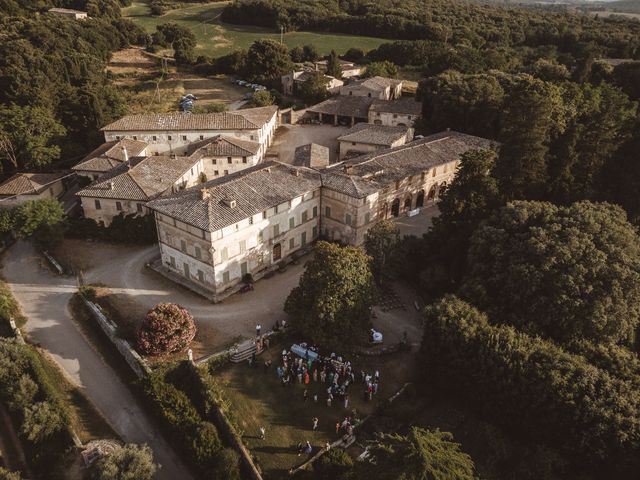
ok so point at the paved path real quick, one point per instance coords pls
(44, 299)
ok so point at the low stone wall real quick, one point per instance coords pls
(133, 359)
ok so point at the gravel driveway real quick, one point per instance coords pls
(122, 269)
(44, 298)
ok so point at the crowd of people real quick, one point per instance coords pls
(326, 379)
(337, 375)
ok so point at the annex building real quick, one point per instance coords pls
(173, 133)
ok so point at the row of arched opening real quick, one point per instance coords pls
(412, 202)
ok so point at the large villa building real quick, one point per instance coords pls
(223, 212)
(214, 234)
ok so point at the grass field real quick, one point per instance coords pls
(215, 38)
(258, 399)
(608, 13)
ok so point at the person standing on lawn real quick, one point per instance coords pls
(337, 428)
(315, 423)
(263, 432)
(258, 329)
(346, 401)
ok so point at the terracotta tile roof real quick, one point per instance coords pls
(390, 165)
(407, 106)
(110, 155)
(141, 179)
(374, 134)
(249, 119)
(221, 146)
(254, 190)
(375, 83)
(344, 105)
(29, 183)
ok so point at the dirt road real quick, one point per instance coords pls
(44, 299)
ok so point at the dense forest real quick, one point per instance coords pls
(452, 23)
(55, 93)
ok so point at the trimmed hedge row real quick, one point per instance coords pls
(198, 439)
(531, 385)
(37, 406)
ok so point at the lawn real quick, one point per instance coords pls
(609, 13)
(258, 399)
(215, 38)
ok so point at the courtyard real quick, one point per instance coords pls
(290, 137)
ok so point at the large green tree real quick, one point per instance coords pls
(420, 455)
(334, 69)
(314, 90)
(330, 306)
(380, 243)
(36, 214)
(563, 272)
(27, 136)
(466, 103)
(533, 114)
(440, 259)
(381, 69)
(267, 61)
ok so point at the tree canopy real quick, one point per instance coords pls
(419, 455)
(330, 306)
(267, 61)
(562, 272)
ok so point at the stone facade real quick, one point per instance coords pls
(217, 261)
(23, 187)
(173, 133)
(123, 193)
(250, 221)
(392, 119)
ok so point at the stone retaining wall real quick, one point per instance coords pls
(133, 359)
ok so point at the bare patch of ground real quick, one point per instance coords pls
(152, 88)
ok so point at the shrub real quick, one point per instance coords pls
(198, 439)
(204, 443)
(41, 421)
(7, 475)
(129, 462)
(166, 328)
(89, 292)
(335, 464)
(226, 465)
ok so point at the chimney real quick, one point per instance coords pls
(111, 186)
(229, 203)
(125, 155)
(295, 172)
(348, 169)
(204, 194)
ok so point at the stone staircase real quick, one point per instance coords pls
(244, 351)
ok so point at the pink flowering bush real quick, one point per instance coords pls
(166, 328)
